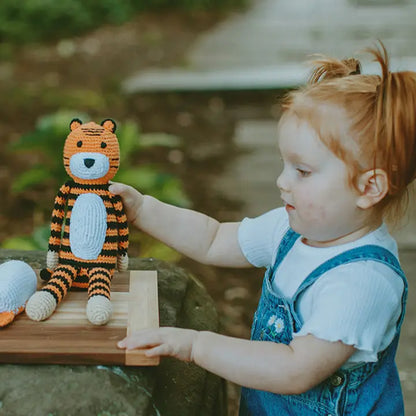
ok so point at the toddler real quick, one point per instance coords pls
(326, 330)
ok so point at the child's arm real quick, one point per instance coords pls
(194, 234)
(274, 367)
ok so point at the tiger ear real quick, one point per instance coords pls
(74, 124)
(109, 124)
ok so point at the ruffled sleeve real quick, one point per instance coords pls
(358, 304)
(259, 237)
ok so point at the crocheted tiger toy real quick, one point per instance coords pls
(94, 240)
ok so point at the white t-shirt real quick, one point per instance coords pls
(357, 303)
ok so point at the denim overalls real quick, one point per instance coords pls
(367, 388)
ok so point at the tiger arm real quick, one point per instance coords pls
(123, 234)
(58, 215)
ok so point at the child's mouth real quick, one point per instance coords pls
(289, 207)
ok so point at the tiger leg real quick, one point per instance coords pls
(81, 282)
(43, 303)
(99, 308)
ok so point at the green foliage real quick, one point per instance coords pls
(47, 140)
(35, 176)
(38, 240)
(39, 20)
(187, 4)
(158, 184)
(149, 247)
(132, 140)
(35, 20)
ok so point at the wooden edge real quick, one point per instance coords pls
(143, 303)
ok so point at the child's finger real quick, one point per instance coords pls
(162, 349)
(122, 343)
(125, 191)
(117, 188)
(141, 339)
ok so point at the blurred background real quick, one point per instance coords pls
(194, 86)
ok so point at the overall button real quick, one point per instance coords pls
(336, 380)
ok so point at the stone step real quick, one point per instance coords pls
(283, 76)
(177, 79)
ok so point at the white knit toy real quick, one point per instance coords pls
(17, 283)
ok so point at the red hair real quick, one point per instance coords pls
(368, 121)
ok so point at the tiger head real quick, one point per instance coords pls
(91, 152)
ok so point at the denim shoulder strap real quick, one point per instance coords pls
(363, 253)
(285, 245)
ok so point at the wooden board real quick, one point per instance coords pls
(67, 337)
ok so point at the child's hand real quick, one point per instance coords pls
(132, 199)
(176, 342)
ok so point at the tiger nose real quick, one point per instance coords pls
(89, 162)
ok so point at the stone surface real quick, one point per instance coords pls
(173, 388)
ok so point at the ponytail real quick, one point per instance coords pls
(329, 68)
(395, 125)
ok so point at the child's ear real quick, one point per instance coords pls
(373, 186)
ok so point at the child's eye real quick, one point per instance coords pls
(303, 173)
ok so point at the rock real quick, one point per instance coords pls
(172, 388)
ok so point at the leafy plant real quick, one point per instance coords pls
(37, 20)
(34, 20)
(47, 140)
(38, 240)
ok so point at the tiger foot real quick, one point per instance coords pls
(99, 310)
(40, 306)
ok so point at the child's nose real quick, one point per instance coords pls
(280, 182)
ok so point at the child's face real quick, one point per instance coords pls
(314, 187)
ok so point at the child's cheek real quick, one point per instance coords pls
(314, 211)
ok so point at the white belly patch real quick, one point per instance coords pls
(88, 226)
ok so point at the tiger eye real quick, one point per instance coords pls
(103, 145)
(79, 144)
